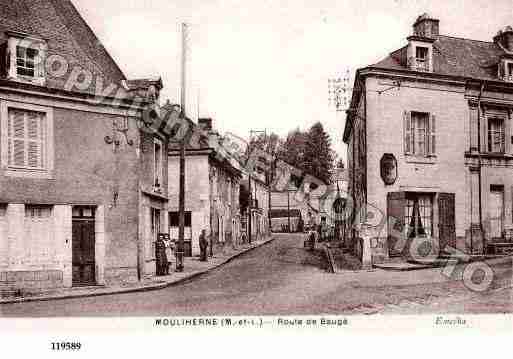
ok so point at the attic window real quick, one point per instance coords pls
(26, 61)
(420, 55)
(421, 58)
(25, 58)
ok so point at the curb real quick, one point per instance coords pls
(147, 288)
(489, 261)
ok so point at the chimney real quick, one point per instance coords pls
(205, 124)
(504, 38)
(426, 26)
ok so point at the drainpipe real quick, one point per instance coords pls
(479, 165)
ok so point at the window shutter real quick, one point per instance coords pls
(396, 204)
(34, 140)
(447, 225)
(16, 138)
(432, 135)
(4, 53)
(39, 64)
(408, 136)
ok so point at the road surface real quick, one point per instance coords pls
(282, 278)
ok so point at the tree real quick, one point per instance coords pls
(292, 149)
(318, 159)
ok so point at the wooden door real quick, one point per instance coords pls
(83, 253)
(396, 202)
(446, 221)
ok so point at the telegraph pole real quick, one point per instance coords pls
(181, 197)
(288, 206)
(250, 215)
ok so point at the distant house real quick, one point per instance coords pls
(258, 210)
(82, 188)
(211, 192)
(281, 219)
(430, 153)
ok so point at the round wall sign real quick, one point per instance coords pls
(388, 169)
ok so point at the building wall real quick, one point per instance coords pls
(447, 173)
(87, 171)
(225, 205)
(357, 183)
(197, 193)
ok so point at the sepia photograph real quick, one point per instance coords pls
(254, 165)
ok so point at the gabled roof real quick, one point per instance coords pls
(454, 57)
(67, 34)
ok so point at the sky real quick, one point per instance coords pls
(265, 65)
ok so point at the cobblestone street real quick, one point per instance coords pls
(282, 278)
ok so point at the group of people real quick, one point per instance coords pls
(165, 248)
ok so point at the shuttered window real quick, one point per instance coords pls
(496, 135)
(26, 139)
(419, 133)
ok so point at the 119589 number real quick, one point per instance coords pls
(61, 346)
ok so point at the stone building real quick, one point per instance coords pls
(78, 178)
(430, 145)
(259, 212)
(212, 185)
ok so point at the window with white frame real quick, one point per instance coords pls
(157, 165)
(26, 61)
(496, 135)
(27, 55)
(419, 134)
(26, 139)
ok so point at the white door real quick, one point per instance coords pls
(496, 214)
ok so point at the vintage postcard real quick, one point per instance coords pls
(242, 166)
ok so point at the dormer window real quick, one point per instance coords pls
(26, 61)
(506, 70)
(420, 53)
(25, 58)
(422, 57)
